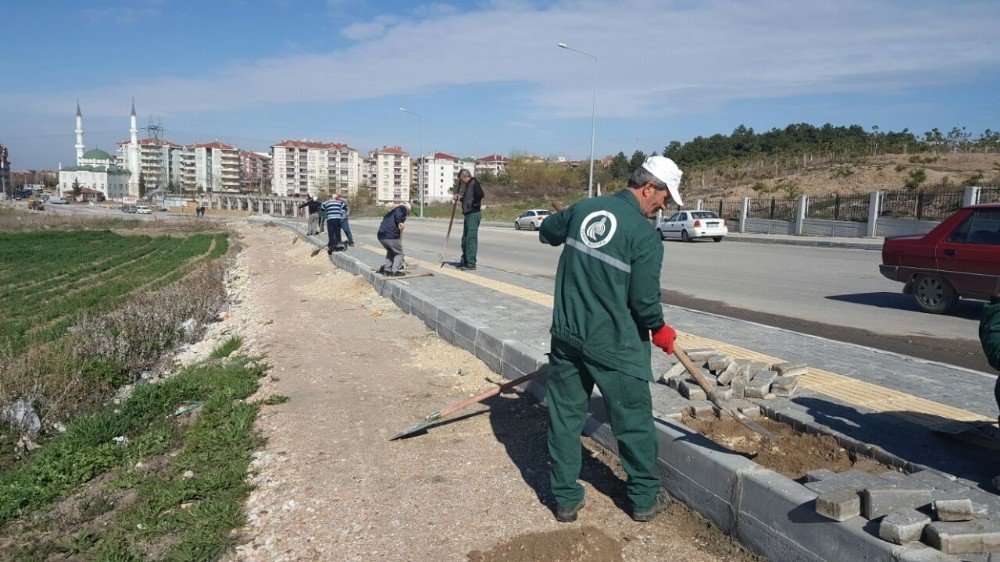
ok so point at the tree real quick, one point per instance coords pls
(142, 186)
(619, 167)
(638, 157)
(76, 187)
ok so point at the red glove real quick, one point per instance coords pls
(664, 337)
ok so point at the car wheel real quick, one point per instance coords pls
(685, 237)
(660, 232)
(534, 226)
(717, 238)
(933, 294)
(517, 225)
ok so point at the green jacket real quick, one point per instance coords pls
(989, 334)
(607, 296)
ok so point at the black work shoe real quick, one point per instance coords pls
(661, 502)
(568, 514)
(467, 267)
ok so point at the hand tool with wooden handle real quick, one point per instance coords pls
(716, 401)
(433, 417)
(451, 221)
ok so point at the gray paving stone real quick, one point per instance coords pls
(676, 370)
(954, 510)
(981, 536)
(784, 385)
(717, 363)
(701, 354)
(820, 474)
(790, 369)
(701, 410)
(839, 505)
(760, 386)
(903, 526)
(692, 391)
(877, 501)
(739, 388)
(726, 376)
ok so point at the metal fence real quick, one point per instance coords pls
(919, 205)
(727, 208)
(773, 208)
(839, 207)
(989, 195)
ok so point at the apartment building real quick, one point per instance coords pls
(495, 164)
(440, 174)
(160, 163)
(391, 174)
(256, 173)
(310, 167)
(211, 167)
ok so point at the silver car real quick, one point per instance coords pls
(531, 219)
(689, 225)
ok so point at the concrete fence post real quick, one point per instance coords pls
(744, 213)
(971, 195)
(698, 204)
(800, 214)
(873, 209)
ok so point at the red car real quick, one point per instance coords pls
(960, 258)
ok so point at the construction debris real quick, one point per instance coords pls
(736, 378)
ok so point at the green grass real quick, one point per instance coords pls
(227, 348)
(275, 399)
(188, 507)
(56, 276)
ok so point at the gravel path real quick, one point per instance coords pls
(330, 486)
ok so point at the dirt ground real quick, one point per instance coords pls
(330, 486)
(793, 455)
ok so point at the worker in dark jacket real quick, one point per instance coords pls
(390, 235)
(470, 194)
(989, 336)
(607, 309)
(312, 207)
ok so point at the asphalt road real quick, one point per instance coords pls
(830, 292)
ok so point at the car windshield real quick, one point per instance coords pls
(704, 215)
(543, 213)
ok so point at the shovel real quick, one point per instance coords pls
(718, 402)
(451, 221)
(433, 417)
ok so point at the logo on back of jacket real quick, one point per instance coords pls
(598, 228)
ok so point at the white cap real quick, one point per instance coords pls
(666, 171)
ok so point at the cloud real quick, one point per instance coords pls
(124, 14)
(655, 58)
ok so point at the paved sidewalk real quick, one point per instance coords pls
(876, 402)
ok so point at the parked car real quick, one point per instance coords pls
(531, 219)
(960, 258)
(127, 208)
(143, 210)
(689, 225)
(23, 194)
(57, 200)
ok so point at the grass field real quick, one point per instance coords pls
(49, 279)
(83, 311)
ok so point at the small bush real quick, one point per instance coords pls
(915, 178)
(227, 348)
(275, 399)
(900, 168)
(759, 187)
(974, 179)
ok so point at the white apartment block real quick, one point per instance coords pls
(495, 164)
(392, 174)
(440, 174)
(211, 167)
(160, 163)
(309, 167)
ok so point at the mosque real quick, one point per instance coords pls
(100, 173)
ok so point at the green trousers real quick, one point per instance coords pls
(470, 237)
(570, 381)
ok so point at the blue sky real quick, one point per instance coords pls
(486, 75)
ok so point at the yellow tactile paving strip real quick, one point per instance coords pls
(845, 389)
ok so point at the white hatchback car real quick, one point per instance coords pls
(531, 219)
(688, 225)
(143, 210)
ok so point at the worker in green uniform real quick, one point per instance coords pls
(607, 309)
(989, 337)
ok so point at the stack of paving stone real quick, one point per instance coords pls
(735, 378)
(946, 514)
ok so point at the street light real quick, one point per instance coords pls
(593, 116)
(421, 179)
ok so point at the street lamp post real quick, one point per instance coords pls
(593, 116)
(420, 180)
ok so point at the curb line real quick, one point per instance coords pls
(769, 513)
